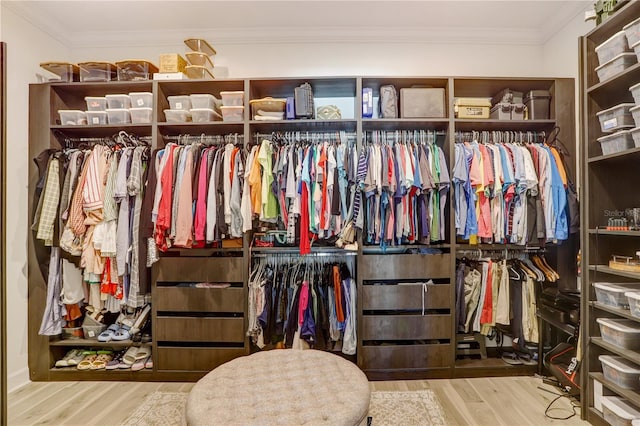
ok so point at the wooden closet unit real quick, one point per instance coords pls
(197, 329)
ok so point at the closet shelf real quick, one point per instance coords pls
(627, 155)
(68, 372)
(607, 270)
(621, 312)
(215, 127)
(303, 125)
(614, 22)
(632, 396)
(103, 130)
(626, 353)
(616, 89)
(92, 343)
(620, 233)
(518, 125)
(296, 250)
(567, 328)
(404, 123)
(496, 247)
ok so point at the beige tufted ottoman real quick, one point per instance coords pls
(281, 387)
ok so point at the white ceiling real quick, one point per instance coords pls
(112, 23)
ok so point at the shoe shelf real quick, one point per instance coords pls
(93, 343)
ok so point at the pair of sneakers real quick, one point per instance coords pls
(124, 328)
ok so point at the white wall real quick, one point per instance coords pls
(26, 48)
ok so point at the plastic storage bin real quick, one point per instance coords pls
(616, 142)
(538, 103)
(205, 100)
(635, 135)
(633, 297)
(182, 102)
(197, 72)
(232, 98)
(266, 106)
(134, 70)
(203, 115)
(612, 47)
(96, 103)
(501, 111)
(508, 96)
(141, 99)
(141, 115)
(72, 117)
(97, 71)
(118, 101)
(612, 294)
(418, 102)
(65, 71)
(92, 328)
(232, 113)
(72, 333)
(96, 117)
(517, 111)
(119, 116)
(472, 107)
(632, 31)
(635, 113)
(636, 50)
(624, 333)
(200, 59)
(616, 65)
(616, 118)
(177, 115)
(618, 412)
(620, 371)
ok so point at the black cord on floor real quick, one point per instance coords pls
(559, 396)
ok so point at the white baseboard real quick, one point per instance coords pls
(17, 379)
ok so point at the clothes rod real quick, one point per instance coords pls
(298, 255)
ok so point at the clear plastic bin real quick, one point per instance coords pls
(235, 98)
(232, 113)
(141, 115)
(204, 100)
(616, 66)
(624, 333)
(118, 101)
(635, 113)
(635, 135)
(612, 47)
(618, 412)
(95, 118)
(633, 297)
(72, 117)
(200, 59)
(135, 70)
(119, 116)
(617, 142)
(616, 118)
(182, 102)
(65, 71)
(197, 72)
(632, 31)
(204, 115)
(620, 371)
(97, 71)
(96, 103)
(612, 294)
(177, 115)
(635, 92)
(636, 50)
(141, 99)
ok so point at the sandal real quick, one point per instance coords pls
(122, 334)
(129, 356)
(89, 357)
(511, 358)
(139, 364)
(64, 362)
(149, 363)
(109, 333)
(75, 360)
(101, 360)
(526, 359)
(115, 361)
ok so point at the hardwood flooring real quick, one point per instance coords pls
(488, 401)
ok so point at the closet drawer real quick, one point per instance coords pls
(381, 297)
(199, 329)
(399, 357)
(199, 299)
(404, 266)
(194, 359)
(406, 327)
(198, 269)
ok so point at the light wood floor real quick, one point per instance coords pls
(482, 401)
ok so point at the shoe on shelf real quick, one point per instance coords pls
(64, 362)
(115, 361)
(142, 318)
(107, 335)
(101, 360)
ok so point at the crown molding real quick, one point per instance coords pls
(30, 12)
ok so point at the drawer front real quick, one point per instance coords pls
(180, 299)
(405, 266)
(199, 329)
(198, 269)
(383, 297)
(195, 359)
(399, 357)
(406, 327)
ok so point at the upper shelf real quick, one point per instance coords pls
(518, 125)
(618, 84)
(622, 17)
(369, 124)
(102, 131)
(610, 271)
(304, 125)
(626, 156)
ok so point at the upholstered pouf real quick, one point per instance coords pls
(281, 387)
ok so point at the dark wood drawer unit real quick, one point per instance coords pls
(402, 296)
(187, 299)
(194, 359)
(199, 329)
(406, 327)
(404, 266)
(199, 269)
(405, 357)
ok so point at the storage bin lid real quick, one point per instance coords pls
(96, 112)
(633, 294)
(622, 55)
(622, 105)
(141, 109)
(604, 43)
(616, 287)
(631, 24)
(202, 110)
(230, 108)
(635, 108)
(480, 102)
(623, 325)
(232, 93)
(118, 95)
(634, 87)
(620, 407)
(75, 111)
(140, 94)
(200, 45)
(97, 64)
(613, 135)
(535, 94)
(58, 68)
(619, 363)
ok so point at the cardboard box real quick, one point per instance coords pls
(472, 107)
(172, 62)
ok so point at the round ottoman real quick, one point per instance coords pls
(281, 387)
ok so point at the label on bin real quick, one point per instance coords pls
(95, 120)
(475, 110)
(140, 102)
(610, 124)
(178, 105)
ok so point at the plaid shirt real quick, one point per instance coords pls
(50, 200)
